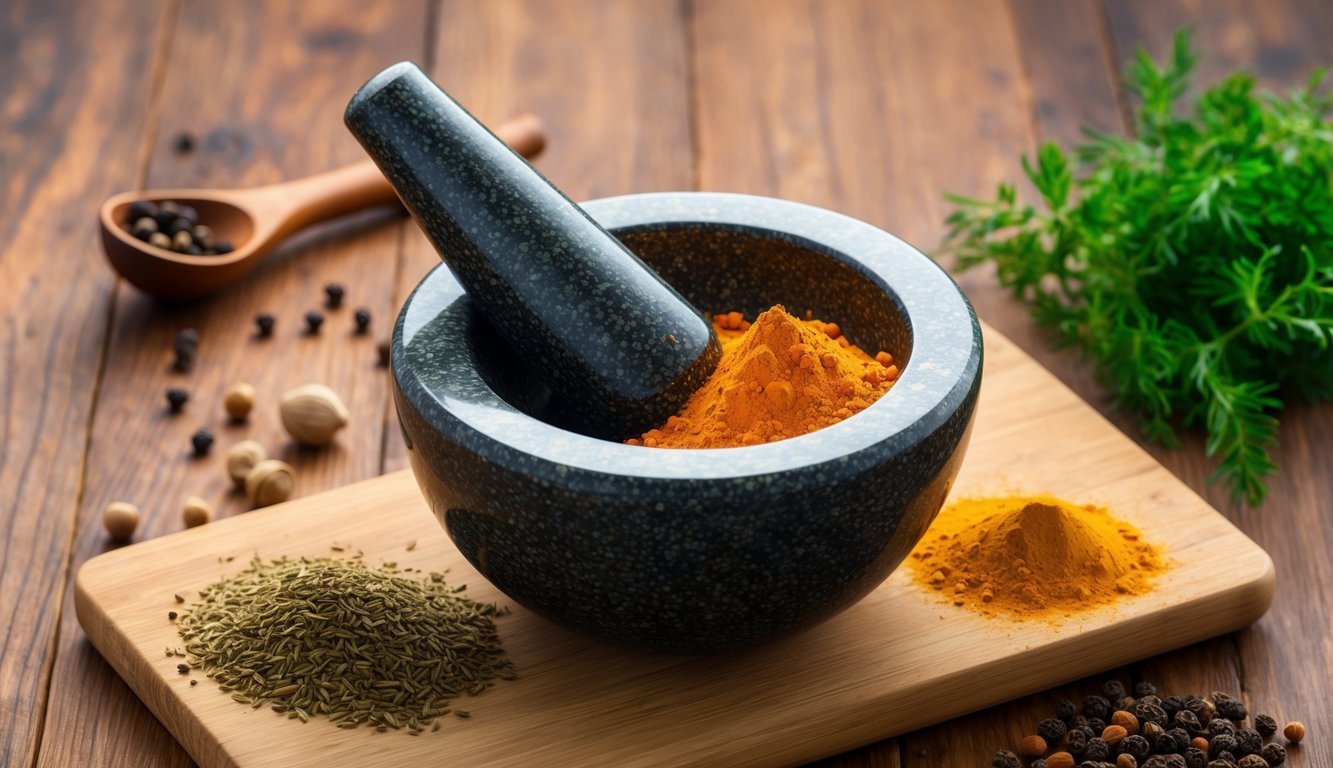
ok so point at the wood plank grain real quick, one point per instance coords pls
(261, 87)
(609, 80)
(872, 112)
(72, 106)
(1280, 43)
(901, 657)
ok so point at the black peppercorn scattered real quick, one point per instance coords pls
(1222, 742)
(1148, 712)
(1274, 753)
(1156, 761)
(264, 324)
(1144, 688)
(382, 349)
(1189, 721)
(184, 143)
(1248, 742)
(176, 399)
(1096, 725)
(333, 295)
(1195, 758)
(194, 682)
(202, 441)
(1172, 705)
(1006, 759)
(1065, 711)
(1229, 708)
(184, 669)
(1052, 730)
(1265, 725)
(1096, 707)
(313, 320)
(1097, 749)
(1135, 746)
(1251, 761)
(1038, 763)
(1217, 726)
(1076, 741)
(223, 246)
(1175, 761)
(171, 615)
(362, 319)
(185, 346)
(1113, 690)
(1181, 739)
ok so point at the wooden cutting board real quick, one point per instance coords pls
(898, 660)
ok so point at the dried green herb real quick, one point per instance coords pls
(337, 638)
(1192, 263)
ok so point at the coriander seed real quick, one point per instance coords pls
(196, 512)
(1294, 732)
(120, 518)
(269, 482)
(238, 401)
(241, 458)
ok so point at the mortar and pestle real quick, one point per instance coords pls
(554, 331)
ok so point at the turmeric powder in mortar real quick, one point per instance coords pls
(1035, 557)
(779, 377)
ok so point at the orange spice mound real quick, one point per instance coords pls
(779, 377)
(1033, 557)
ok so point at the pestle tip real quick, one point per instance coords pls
(378, 83)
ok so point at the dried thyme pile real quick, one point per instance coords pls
(361, 645)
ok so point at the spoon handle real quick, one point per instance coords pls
(361, 185)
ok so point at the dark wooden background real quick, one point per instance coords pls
(869, 108)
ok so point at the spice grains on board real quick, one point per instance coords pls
(362, 646)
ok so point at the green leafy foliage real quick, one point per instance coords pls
(1192, 263)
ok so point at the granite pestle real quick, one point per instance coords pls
(619, 349)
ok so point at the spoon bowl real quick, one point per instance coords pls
(256, 220)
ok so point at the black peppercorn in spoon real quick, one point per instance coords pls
(254, 220)
(619, 348)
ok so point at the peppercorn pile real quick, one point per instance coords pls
(173, 227)
(1118, 730)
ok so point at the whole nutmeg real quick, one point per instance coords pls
(242, 458)
(1032, 746)
(312, 414)
(196, 512)
(269, 482)
(120, 518)
(238, 401)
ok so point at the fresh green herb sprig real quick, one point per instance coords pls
(1192, 263)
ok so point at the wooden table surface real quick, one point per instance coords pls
(870, 108)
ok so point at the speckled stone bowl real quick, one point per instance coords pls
(695, 551)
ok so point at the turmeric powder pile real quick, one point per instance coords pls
(1033, 557)
(779, 377)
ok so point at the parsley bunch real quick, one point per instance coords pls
(1192, 263)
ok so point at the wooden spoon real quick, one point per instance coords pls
(257, 219)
